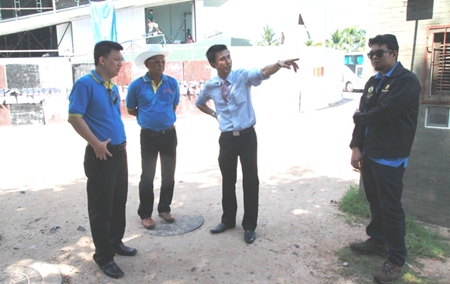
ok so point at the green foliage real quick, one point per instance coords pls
(268, 38)
(310, 42)
(360, 269)
(350, 39)
(336, 41)
(421, 242)
(354, 203)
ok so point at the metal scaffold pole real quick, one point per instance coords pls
(16, 7)
(39, 6)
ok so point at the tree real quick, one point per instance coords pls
(268, 38)
(337, 40)
(310, 42)
(354, 39)
(350, 39)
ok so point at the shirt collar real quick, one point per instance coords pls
(96, 77)
(147, 79)
(230, 78)
(388, 74)
(108, 84)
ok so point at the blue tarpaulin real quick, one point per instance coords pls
(103, 21)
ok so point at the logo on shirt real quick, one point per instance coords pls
(370, 92)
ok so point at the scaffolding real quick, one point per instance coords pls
(34, 42)
(26, 6)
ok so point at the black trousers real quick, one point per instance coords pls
(383, 186)
(243, 146)
(153, 144)
(107, 190)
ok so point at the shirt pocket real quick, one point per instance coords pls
(239, 99)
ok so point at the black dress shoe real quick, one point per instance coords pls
(249, 236)
(111, 269)
(124, 250)
(220, 228)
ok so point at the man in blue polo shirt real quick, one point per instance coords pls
(94, 112)
(230, 91)
(153, 99)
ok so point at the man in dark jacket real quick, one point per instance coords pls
(385, 126)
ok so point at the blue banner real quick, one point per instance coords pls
(103, 21)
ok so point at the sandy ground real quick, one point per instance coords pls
(303, 165)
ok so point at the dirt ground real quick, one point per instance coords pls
(303, 167)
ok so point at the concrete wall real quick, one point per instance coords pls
(427, 190)
(427, 179)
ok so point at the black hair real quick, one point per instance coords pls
(211, 52)
(388, 39)
(103, 48)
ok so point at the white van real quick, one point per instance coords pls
(351, 81)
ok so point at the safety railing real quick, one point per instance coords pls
(25, 8)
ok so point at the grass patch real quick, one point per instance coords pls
(354, 203)
(421, 242)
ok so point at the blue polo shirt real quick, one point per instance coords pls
(237, 113)
(90, 100)
(154, 105)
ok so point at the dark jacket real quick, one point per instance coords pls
(390, 114)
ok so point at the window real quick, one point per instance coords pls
(174, 23)
(436, 78)
(437, 117)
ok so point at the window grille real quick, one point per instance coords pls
(436, 71)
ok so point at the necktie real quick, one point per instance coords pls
(224, 90)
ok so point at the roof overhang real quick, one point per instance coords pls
(214, 3)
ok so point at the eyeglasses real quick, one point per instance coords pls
(379, 53)
(157, 61)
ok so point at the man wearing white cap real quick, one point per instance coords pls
(153, 99)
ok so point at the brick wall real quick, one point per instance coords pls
(197, 70)
(2, 77)
(5, 116)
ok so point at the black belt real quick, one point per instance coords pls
(120, 147)
(159, 133)
(239, 133)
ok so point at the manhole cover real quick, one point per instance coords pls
(21, 275)
(182, 224)
(30, 272)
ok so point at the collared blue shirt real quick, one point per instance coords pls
(238, 113)
(155, 110)
(392, 162)
(89, 99)
(388, 74)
